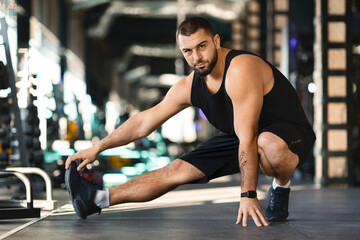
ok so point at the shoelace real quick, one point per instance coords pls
(275, 201)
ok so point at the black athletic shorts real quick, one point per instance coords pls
(219, 155)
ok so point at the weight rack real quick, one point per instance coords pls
(11, 209)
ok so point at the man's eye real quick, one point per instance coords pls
(202, 46)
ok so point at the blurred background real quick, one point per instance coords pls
(72, 71)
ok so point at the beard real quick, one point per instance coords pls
(202, 72)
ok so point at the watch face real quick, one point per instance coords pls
(249, 194)
(252, 194)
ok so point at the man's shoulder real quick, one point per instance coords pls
(247, 58)
(184, 83)
(245, 63)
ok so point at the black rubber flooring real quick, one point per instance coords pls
(207, 211)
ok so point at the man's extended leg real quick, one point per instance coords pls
(143, 188)
(278, 161)
(156, 183)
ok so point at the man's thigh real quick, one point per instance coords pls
(215, 158)
(298, 139)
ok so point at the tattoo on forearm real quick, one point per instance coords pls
(243, 164)
(242, 161)
(242, 154)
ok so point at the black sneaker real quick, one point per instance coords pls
(278, 200)
(82, 192)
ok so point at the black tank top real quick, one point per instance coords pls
(281, 104)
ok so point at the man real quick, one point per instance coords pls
(256, 109)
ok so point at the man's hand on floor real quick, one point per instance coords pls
(251, 207)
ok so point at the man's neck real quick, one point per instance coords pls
(218, 70)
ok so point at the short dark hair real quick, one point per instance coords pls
(192, 25)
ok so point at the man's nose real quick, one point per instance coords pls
(197, 56)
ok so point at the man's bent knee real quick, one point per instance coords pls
(275, 155)
(270, 142)
(182, 172)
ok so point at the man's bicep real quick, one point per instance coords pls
(246, 115)
(247, 99)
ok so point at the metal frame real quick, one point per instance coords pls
(326, 72)
(21, 212)
(48, 204)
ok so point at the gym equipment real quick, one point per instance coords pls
(11, 104)
(5, 143)
(48, 204)
(4, 82)
(4, 159)
(12, 136)
(11, 212)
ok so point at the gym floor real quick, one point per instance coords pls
(200, 211)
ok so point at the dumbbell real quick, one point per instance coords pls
(37, 158)
(28, 130)
(4, 80)
(3, 133)
(4, 106)
(32, 143)
(36, 132)
(36, 144)
(32, 131)
(4, 159)
(29, 142)
(5, 143)
(32, 109)
(6, 119)
(32, 119)
(5, 102)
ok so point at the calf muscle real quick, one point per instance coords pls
(154, 184)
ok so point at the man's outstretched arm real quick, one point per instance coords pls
(245, 88)
(139, 125)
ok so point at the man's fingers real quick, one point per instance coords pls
(82, 165)
(73, 158)
(69, 160)
(238, 221)
(262, 218)
(245, 219)
(255, 217)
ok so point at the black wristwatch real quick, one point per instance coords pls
(249, 194)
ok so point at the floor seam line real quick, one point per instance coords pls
(299, 231)
(17, 229)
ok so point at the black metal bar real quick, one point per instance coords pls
(338, 18)
(13, 213)
(324, 31)
(335, 72)
(336, 153)
(334, 45)
(281, 12)
(328, 126)
(335, 100)
(349, 100)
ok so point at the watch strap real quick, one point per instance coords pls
(249, 194)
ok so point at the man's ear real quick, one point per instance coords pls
(217, 41)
